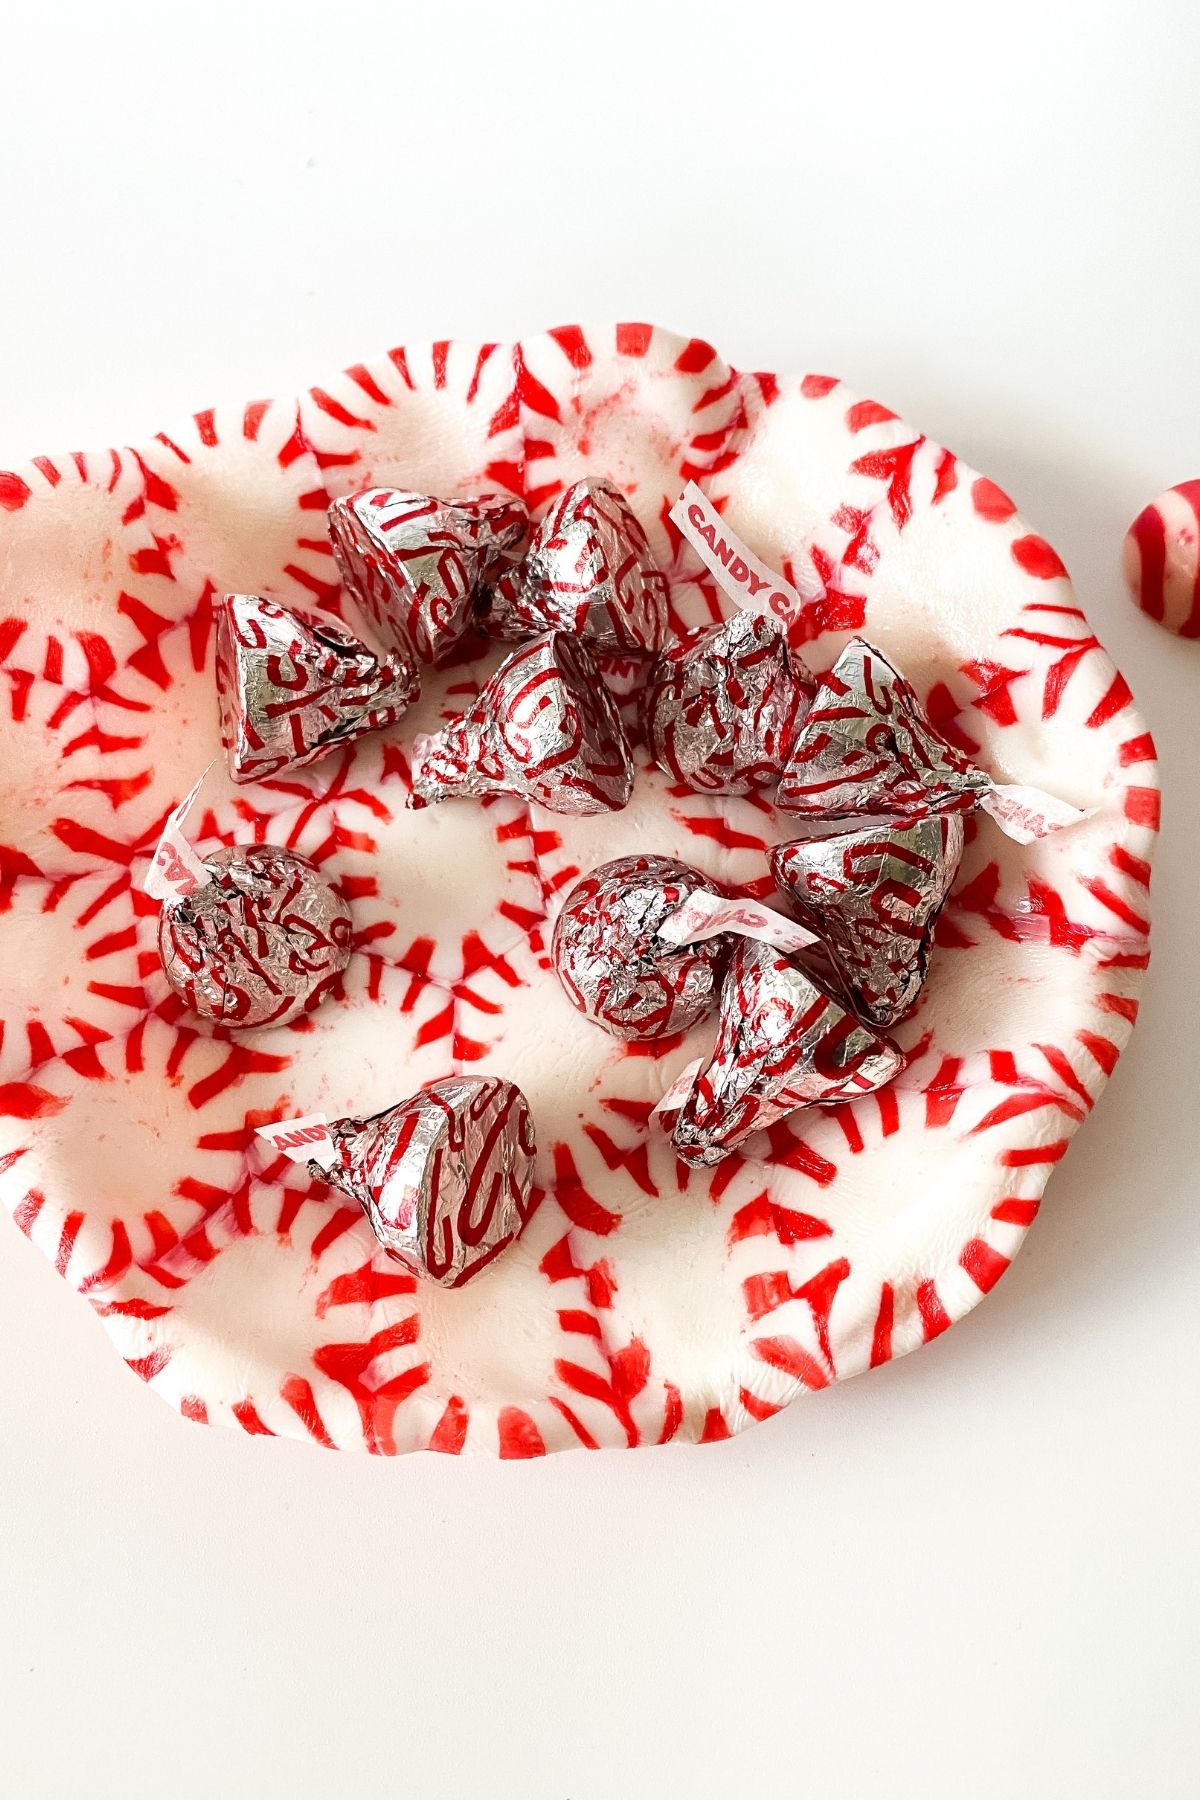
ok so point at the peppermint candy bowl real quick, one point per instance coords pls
(644, 1303)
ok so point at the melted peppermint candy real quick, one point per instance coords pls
(445, 1178)
(589, 571)
(721, 708)
(613, 964)
(544, 728)
(874, 893)
(260, 942)
(623, 1332)
(868, 747)
(293, 689)
(782, 1043)
(418, 567)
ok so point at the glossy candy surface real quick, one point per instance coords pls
(419, 567)
(1162, 559)
(589, 571)
(543, 728)
(874, 893)
(783, 1043)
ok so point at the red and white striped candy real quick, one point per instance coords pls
(1162, 559)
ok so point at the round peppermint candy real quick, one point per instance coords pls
(1162, 559)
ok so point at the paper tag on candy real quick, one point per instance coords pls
(749, 583)
(176, 870)
(679, 1089)
(1028, 813)
(705, 915)
(302, 1140)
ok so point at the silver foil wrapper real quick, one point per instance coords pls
(782, 1043)
(445, 1178)
(292, 689)
(874, 893)
(418, 567)
(261, 942)
(611, 962)
(589, 571)
(544, 728)
(868, 747)
(722, 707)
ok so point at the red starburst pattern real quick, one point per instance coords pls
(439, 418)
(639, 404)
(648, 1302)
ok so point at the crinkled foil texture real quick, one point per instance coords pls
(261, 942)
(445, 1178)
(610, 961)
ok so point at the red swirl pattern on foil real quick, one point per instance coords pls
(544, 728)
(783, 1043)
(445, 1178)
(292, 690)
(262, 942)
(721, 709)
(106, 702)
(874, 894)
(590, 572)
(418, 566)
(613, 967)
(867, 746)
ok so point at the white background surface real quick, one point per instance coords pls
(974, 1574)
